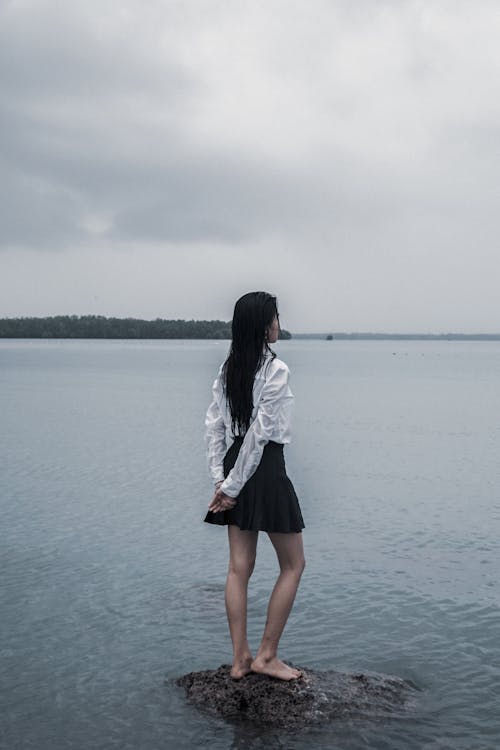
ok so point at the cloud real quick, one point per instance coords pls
(363, 136)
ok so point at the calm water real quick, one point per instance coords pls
(111, 583)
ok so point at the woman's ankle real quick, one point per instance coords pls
(242, 656)
(265, 656)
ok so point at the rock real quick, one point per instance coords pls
(315, 698)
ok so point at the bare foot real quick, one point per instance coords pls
(274, 667)
(241, 667)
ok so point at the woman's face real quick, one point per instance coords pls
(273, 331)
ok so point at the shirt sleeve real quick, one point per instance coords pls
(215, 435)
(260, 431)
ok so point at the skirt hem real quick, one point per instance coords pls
(242, 527)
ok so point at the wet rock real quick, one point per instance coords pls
(315, 698)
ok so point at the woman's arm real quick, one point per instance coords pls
(274, 393)
(215, 435)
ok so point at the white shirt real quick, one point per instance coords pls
(271, 420)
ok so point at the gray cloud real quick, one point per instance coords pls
(324, 139)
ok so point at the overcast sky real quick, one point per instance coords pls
(161, 158)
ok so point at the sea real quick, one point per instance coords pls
(112, 586)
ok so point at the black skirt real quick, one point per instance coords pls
(267, 502)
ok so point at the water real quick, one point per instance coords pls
(111, 583)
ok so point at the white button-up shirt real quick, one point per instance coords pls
(271, 420)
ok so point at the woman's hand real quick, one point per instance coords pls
(220, 501)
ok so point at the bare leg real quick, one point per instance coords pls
(242, 549)
(290, 553)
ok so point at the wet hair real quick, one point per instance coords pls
(253, 314)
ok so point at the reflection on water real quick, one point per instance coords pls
(111, 583)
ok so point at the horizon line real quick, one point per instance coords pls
(289, 330)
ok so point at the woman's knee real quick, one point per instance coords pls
(294, 565)
(242, 566)
(299, 565)
(290, 552)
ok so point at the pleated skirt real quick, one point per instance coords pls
(267, 502)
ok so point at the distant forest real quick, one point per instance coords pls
(100, 327)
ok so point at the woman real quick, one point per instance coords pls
(252, 398)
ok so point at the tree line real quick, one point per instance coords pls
(101, 327)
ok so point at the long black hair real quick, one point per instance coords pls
(253, 313)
